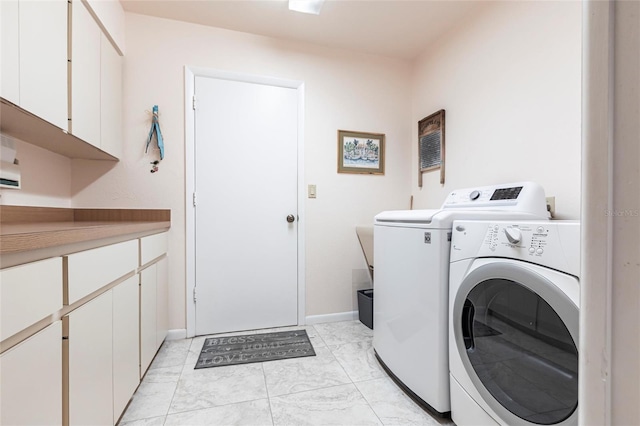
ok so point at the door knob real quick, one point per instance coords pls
(291, 218)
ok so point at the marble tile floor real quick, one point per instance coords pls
(342, 385)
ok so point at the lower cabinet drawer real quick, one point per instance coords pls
(90, 270)
(152, 247)
(36, 285)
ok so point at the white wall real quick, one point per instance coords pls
(509, 80)
(516, 61)
(343, 90)
(45, 179)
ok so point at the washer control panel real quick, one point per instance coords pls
(487, 196)
(523, 197)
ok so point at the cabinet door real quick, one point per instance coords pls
(43, 59)
(110, 99)
(31, 380)
(90, 363)
(85, 75)
(9, 48)
(126, 343)
(148, 330)
(162, 299)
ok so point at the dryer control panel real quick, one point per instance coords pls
(548, 243)
(534, 238)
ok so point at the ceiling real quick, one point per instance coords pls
(394, 28)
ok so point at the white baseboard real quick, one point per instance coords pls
(177, 334)
(181, 333)
(340, 316)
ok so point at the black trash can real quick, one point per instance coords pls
(365, 307)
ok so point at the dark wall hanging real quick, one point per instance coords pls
(431, 145)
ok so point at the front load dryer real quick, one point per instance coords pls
(411, 250)
(514, 313)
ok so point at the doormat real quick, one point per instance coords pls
(232, 350)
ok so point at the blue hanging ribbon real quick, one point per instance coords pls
(155, 127)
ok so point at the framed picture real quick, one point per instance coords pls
(360, 152)
(431, 145)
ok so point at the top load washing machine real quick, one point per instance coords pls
(411, 250)
(514, 322)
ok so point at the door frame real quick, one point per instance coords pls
(190, 73)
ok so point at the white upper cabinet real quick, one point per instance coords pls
(43, 31)
(9, 48)
(85, 75)
(96, 84)
(110, 99)
(110, 14)
(38, 38)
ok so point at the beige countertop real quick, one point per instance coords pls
(32, 233)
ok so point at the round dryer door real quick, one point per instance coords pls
(517, 334)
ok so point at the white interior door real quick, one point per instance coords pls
(246, 186)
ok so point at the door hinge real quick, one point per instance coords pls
(194, 295)
(194, 102)
(194, 199)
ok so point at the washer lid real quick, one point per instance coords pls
(524, 200)
(406, 216)
(443, 219)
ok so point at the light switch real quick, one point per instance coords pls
(312, 191)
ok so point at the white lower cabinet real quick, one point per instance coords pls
(152, 247)
(154, 298)
(148, 316)
(90, 270)
(84, 368)
(91, 362)
(126, 344)
(162, 300)
(19, 284)
(31, 373)
(104, 355)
